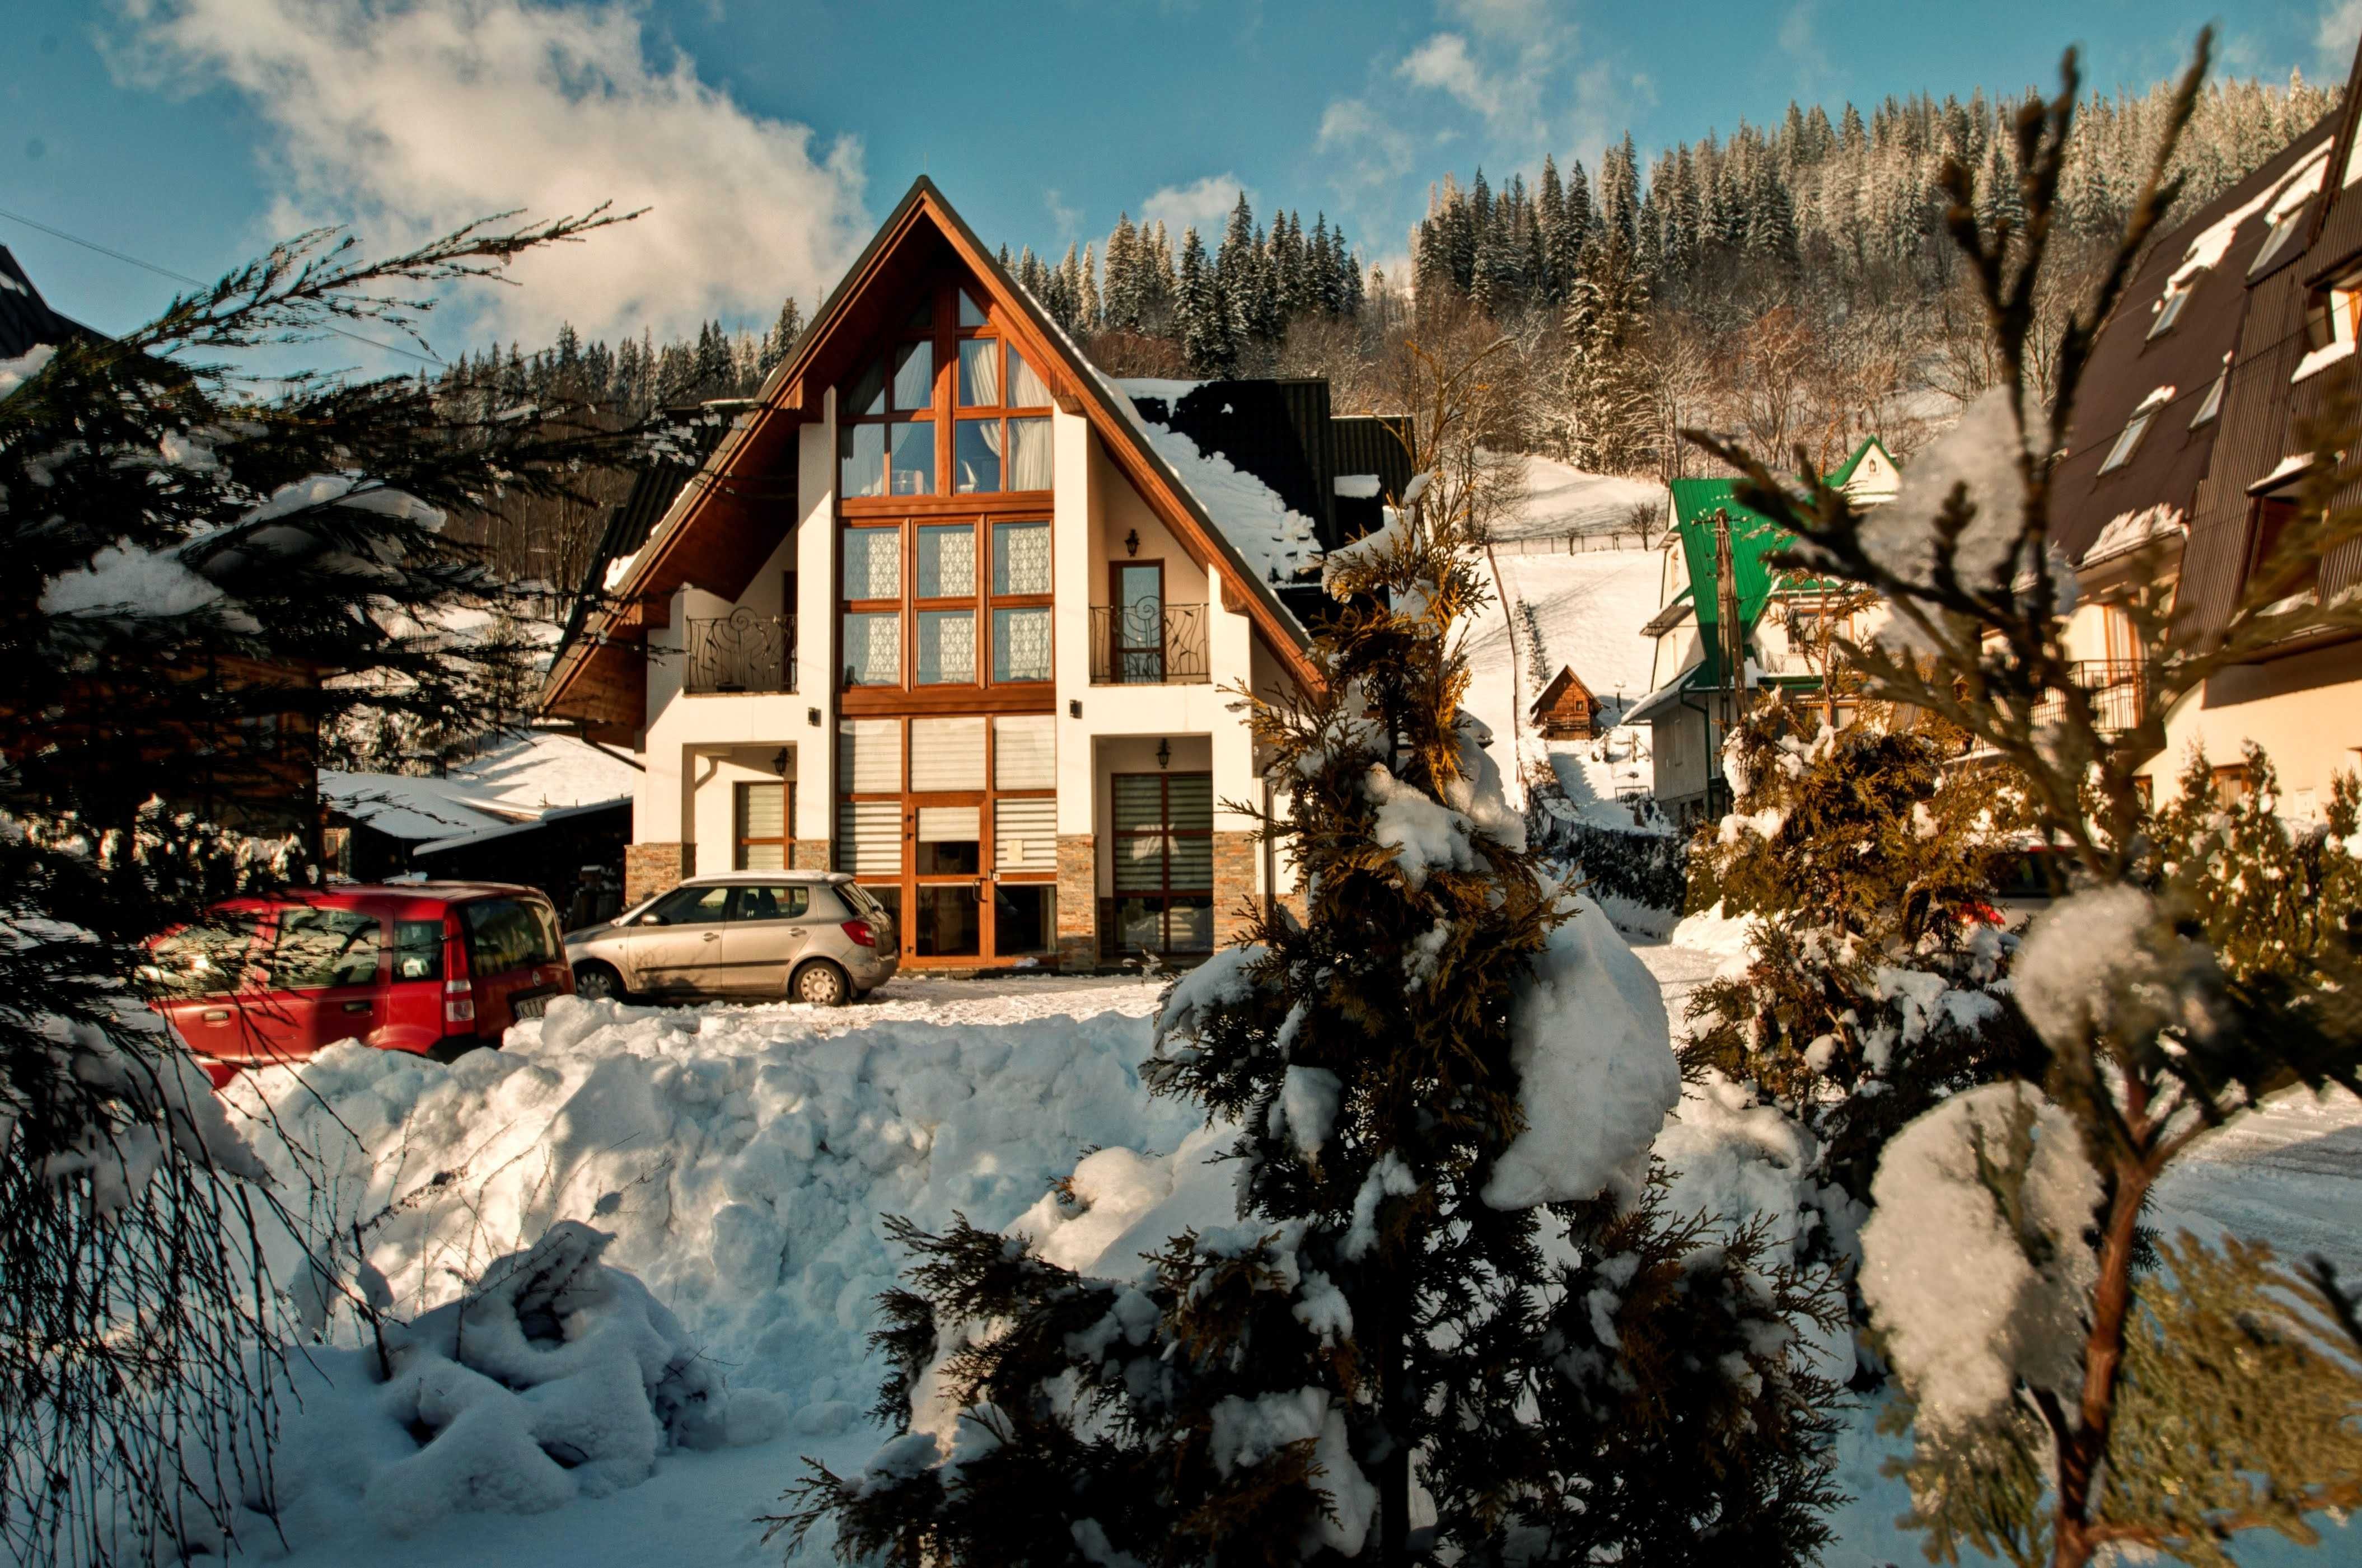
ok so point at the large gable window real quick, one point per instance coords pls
(953, 408)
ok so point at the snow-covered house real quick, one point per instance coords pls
(1778, 630)
(949, 610)
(2188, 455)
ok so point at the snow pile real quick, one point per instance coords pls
(124, 580)
(1971, 1299)
(1711, 931)
(1120, 1204)
(1424, 834)
(554, 1377)
(2104, 963)
(1595, 1069)
(742, 1158)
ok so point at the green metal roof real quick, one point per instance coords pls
(1836, 478)
(1752, 538)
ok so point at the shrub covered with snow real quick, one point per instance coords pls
(1873, 982)
(551, 1377)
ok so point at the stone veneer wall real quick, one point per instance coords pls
(651, 868)
(808, 854)
(1079, 902)
(1235, 885)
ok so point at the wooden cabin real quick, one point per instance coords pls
(1566, 709)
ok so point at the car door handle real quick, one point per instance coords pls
(216, 1015)
(712, 936)
(356, 1007)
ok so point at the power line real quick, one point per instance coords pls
(426, 359)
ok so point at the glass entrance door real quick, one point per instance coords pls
(946, 872)
(1140, 623)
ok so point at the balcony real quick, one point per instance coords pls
(2118, 689)
(1148, 643)
(741, 652)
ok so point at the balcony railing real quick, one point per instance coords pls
(1148, 643)
(742, 652)
(2118, 689)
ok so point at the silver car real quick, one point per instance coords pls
(810, 936)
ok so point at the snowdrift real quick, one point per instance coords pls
(740, 1160)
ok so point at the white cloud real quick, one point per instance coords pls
(1380, 151)
(407, 121)
(2335, 34)
(1203, 204)
(1442, 62)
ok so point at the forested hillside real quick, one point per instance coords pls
(1789, 283)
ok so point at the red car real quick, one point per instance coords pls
(435, 968)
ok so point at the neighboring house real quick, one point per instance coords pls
(1689, 704)
(547, 810)
(950, 611)
(1566, 709)
(2189, 435)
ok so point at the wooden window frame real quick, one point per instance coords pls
(943, 405)
(1166, 890)
(740, 840)
(911, 879)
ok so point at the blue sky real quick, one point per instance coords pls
(769, 139)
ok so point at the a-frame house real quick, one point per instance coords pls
(941, 610)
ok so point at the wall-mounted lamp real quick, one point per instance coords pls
(1073, 707)
(1131, 543)
(1164, 755)
(779, 763)
(811, 717)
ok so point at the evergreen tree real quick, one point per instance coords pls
(1124, 305)
(1199, 318)
(211, 578)
(1606, 399)
(1089, 311)
(1451, 1274)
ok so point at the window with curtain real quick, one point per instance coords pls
(1021, 644)
(886, 434)
(977, 455)
(873, 648)
(946, 647)
(873, 563)
(1020, 559)
(947, 561)
(1164, 860)
(762, 827)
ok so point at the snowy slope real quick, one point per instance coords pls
(1590, 608)
(1562, 501)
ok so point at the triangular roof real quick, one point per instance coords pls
(1842, 475)
(696, 543)
(1566, 678)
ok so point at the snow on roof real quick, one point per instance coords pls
(1356, 486)
(480, 836)
(1172, 390)
(2288, 468)
(1276, 542)
(512, 784)
(2128, 531)
(2206, 247)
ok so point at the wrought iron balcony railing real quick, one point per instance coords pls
(2118, 689)
(742, 652)
(1148, 643)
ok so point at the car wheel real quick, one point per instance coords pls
(594, 981)
(451, 1048)
(822, 984)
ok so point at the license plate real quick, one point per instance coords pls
(529, 1006)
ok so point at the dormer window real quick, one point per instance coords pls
(2135, 428)
(2284, 233)
(2212, 403)
(2177, 296)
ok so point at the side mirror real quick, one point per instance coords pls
(651, 918)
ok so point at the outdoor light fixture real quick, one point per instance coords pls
(1164, 753)
(779, 763)
(1131, 543)
(811, 717)
(1073, 707)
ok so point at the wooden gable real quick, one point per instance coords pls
(724, 523)
(1566, 709)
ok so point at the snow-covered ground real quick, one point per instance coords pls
(743, 1157)
(1561, 500)
(1590, 609)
